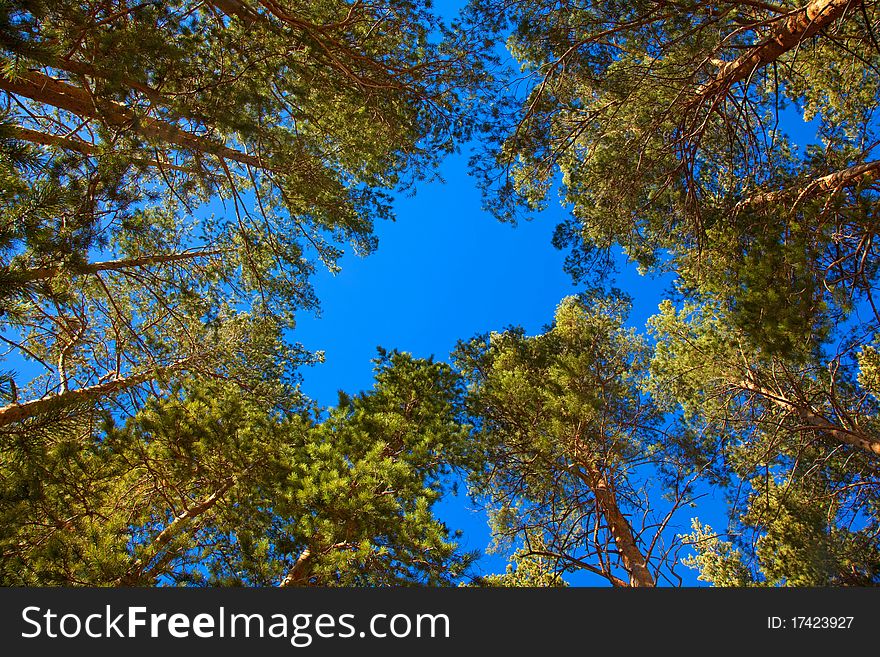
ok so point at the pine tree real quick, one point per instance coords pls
(169, 166)
(571, 443)
(205, 486)
(796, 441)
(663, 126)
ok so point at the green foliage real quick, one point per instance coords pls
(166, 166)
(658, 143)
(750, 418)
(207, 486)
(172, 174)
(566, 431)
(525, 570)
(801, 543)
(717, 560)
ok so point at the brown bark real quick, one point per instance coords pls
(84, 147)
(51, 91)
(827, 183)
(299, 572)
(37, 53)
(792, 30)
(18, 412)
(42, 273)
(813, 420)
(84, 69)
(36, 137)
(634, 562)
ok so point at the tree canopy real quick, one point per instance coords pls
(173, 174)
(205, 486)
(567, 431)
(174, 170)
(661, 125)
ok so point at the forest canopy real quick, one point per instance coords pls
(173, 175)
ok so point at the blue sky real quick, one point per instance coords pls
(445, 271)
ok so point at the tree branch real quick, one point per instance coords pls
(827, 183)
(813, 420)
(19, 412)
(139, 569)
(51, 91)
(794, 28)
(299, 572)
(81, 146)
(43, 273)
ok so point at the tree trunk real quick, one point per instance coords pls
(37, 52)
(634, 562)
(50, 91)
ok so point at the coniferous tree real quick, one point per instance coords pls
(663, 122)
(205, 486)
(168, 166)
(571, 443)
(794, 442)
(662, 126)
